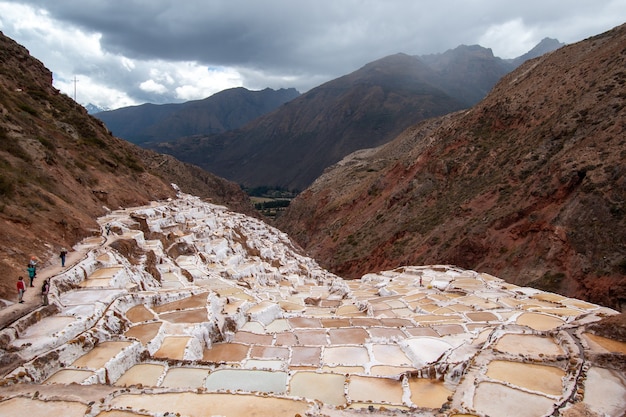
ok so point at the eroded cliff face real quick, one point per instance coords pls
(528, 185)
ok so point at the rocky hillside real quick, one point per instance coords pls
(226, 110)
(529, 185)
(60, 168)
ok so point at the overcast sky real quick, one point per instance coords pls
(128, 52)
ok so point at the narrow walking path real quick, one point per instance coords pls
(32, 296)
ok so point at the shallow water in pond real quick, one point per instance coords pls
(44, 328)
(226, 405)
(605, 392)
(520, 344)
(539, 321)
(146, 374)
(100, 355)
(328, 388)
(105, 273)
(139, 313)
(428, 393)
(488, 401)
(195, 301)
(173, 347)
(346, 355)
(144, 332)
(35, 408)
(247, 380)
(378, 390)
(606, 344)
(185, 378)
(189, 316)
(68, 376)
(539, 378)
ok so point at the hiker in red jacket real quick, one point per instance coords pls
(21, 288)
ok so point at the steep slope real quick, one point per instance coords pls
(226, 110)
(60, 168)
(528, 185)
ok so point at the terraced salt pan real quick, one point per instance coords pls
(33, 408)
(68, 376)
(534, 377)
(247, 380)
(145, 374)
(44, 331)
(185, 378)
(488, 400)
(538, 321)
(144, 332)
(522, 344)
(328, 388)
(226, 405)
(100, 355)
(173, 347)
(602, 344)
(428, 393)
(377, 390)
(605, 392)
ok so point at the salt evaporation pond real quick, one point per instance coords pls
(246, 326)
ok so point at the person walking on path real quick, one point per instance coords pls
(21, 289)
(32, 273)
(45, 289)
(62, 256)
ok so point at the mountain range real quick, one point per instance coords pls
(226, 110)
(529, 184)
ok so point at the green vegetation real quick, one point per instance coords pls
(270, 201)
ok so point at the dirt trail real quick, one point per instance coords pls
(32, 296)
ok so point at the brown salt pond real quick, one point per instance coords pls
(105, 273)
(97, 357)
(599, 343)
(188, 316)
(538, 321)
(328, 388)
(144, 332)
(195, 301)
(226, 352)
(522, 344)
(69, 376)
(377, 390)
(173, 347)
(139, 313)
(428, 393)
(145, 374)
(539, 378)
(201, 405)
